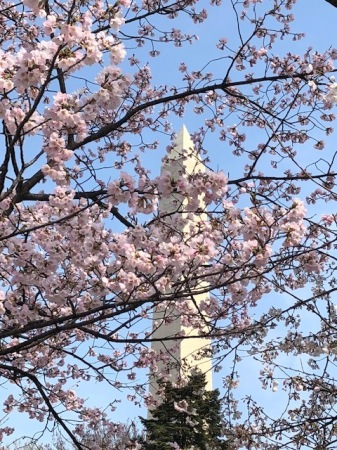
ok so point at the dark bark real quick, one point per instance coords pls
(332, 2)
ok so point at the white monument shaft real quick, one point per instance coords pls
(192, 351)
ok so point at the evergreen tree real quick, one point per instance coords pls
(189, 416)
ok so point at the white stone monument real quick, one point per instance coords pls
(182, 356)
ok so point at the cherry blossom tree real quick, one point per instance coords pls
(86, 255)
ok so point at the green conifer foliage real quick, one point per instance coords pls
(189, 416)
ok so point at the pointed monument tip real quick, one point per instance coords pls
(183, 134)
(183, 140)
(184, 129)
(184, 152)
(182, 146)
